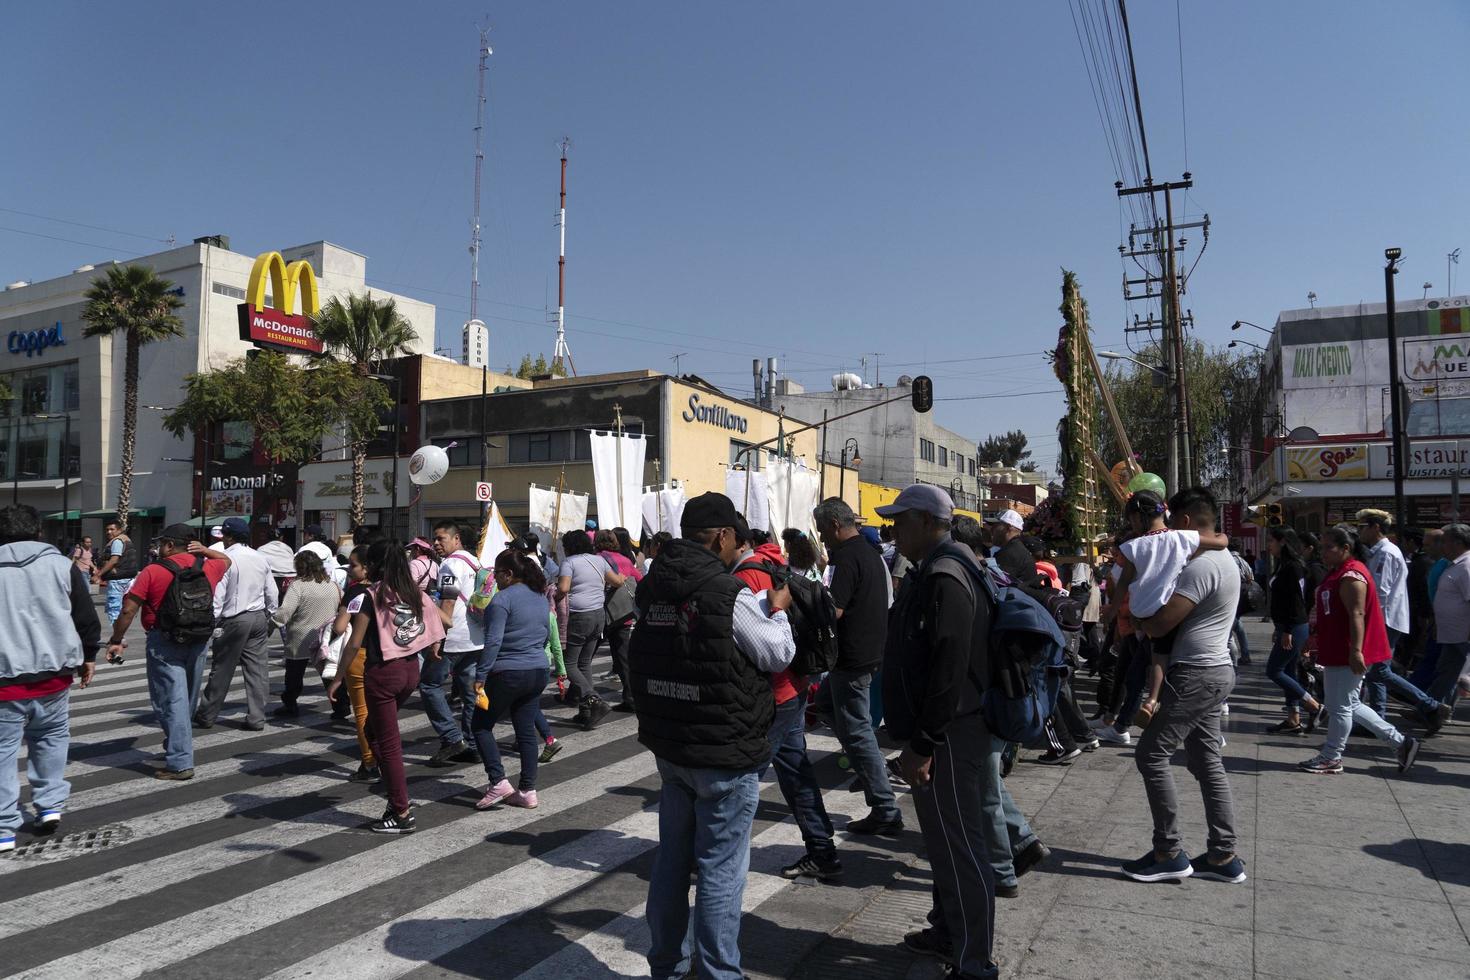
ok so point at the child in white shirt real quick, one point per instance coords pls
(1152, 561)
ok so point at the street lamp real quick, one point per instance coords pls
(1112, 356)
(1239, 323)
(857, 460)
(1246, 343)
(1395, 386)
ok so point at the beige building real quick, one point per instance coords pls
(539, 435)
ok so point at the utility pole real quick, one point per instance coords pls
(561, 356)
(1181, 470)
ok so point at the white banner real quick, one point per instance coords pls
(495, 538)
(793, 496)
(543, 514)
(618, 483)
(751, 497)
(662, 508)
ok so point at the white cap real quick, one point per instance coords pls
(321, 550)
(217, 532)
(1007, 517)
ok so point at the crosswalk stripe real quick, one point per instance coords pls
(199, 931)
(145, 877)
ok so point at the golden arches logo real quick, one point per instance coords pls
(285, 281)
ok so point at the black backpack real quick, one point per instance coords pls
(813, 618)
(186, 614)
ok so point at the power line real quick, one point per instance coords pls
(78, 224)
(1183, 115)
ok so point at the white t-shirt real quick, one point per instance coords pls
(457, 578)
(1157, 561)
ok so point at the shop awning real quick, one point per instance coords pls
(71, 515)
(137, 512)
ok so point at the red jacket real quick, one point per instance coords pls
(1332, 620)
(784, 685)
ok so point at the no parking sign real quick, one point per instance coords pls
(482, 492)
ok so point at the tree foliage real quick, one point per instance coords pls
(1224, 396)
(134, 301)
(1009, 449)
(530, 369)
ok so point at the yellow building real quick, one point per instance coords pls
(539, 434)
(875, 495)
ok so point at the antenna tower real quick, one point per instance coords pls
(474, 324)
(561, 357)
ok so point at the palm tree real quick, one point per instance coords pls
(134, 301)
(362, 332)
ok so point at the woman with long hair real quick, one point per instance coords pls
(801, 554)
(1288, 606)
(511, 676)
(1351, 637)
(349, 670)
(311, 602)
(585, 577)
(393, 621)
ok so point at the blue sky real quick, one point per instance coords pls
(813, 180)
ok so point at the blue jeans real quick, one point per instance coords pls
(844, 695)
(1245, 648)
(513, 694)
(116, 589)
(1376, 682)
(1423, 674)
(44, 724)
(704, 819)
(1006, 831)
(175, 675)
(797, 780)
(1280, 666)
(1340, 686)
(432, 675)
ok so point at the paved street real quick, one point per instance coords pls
(260, 867)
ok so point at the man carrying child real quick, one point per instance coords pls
(1200, 613)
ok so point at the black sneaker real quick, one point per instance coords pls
(253, 726)
(466, 755)
(549, 752)
(1031, 855)
(394, 823)
(201, 723)
(928, 942)
(874, 824)
(1150, 868)
(1232, 871)
(895, 773)
(1408, 752)
(445, 757)
(1051, 757)
(1007, 891)
(596, 711)
(286, 711)
(1089, 745)
(822, 869)
(366, 774)
(1287, 727)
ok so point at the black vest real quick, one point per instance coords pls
(701, 702)
(127, 563)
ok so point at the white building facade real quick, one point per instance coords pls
(63, 381)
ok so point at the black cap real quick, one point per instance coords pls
(315, 530)
(709, 510)
(179, 533)
(742, 529)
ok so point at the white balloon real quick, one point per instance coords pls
(428, 465)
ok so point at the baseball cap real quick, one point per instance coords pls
(236, 527)
(1008, 517)
(709, 510)
(179, 533)
(315, 530)
(921, 497)
(216, 532)
(321, 550)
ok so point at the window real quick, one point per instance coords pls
(43, 391)
(551, 446)
(751, 461)
(926, 450)
(972, 465)
(943, 457)
(959, 464)
(229, 291)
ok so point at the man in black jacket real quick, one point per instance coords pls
(699, 661)
(934, 658)
(1011, 553)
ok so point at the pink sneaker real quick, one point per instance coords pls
(496, 795)
(523, 798)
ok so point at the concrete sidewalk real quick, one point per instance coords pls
(1365, 874)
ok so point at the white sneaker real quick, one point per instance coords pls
(1097, 723)
(1114, 737)
(1225, 708)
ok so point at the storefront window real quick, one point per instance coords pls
(34, 445)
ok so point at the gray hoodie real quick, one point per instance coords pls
(48, 624)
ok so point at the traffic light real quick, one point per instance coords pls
(923, 393)
(1275, 515)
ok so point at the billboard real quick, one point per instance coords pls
(1437, 460)
(274, 326)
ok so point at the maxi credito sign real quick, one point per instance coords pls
(276, 326)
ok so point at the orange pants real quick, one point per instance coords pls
(358, 697)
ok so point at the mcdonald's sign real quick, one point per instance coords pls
(277, 326)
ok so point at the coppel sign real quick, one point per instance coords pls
(33, 342)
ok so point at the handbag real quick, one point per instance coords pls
(621, 602)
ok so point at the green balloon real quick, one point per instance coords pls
(1147, 481)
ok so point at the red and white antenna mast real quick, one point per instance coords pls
(561, 357)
